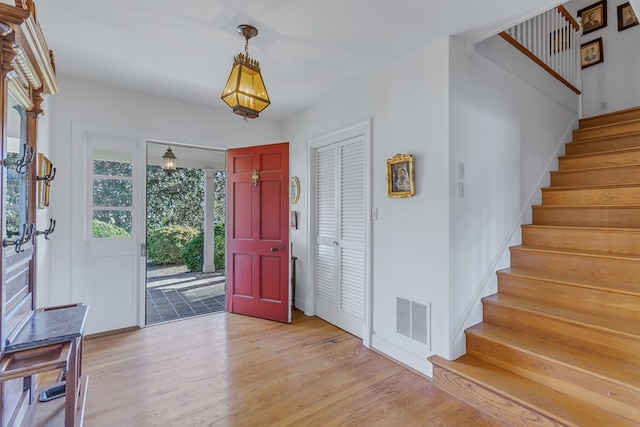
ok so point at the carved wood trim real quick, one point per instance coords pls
(12, 15)
(21, 19)
(19, 90)
(7, 54)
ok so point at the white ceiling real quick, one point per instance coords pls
(184, 48)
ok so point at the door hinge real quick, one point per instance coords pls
(143, 249)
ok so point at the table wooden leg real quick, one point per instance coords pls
(71, 388)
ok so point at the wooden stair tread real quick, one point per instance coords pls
(602, 175)
(555, 405)
(628, 126)
(610, 125)
(623, 327)
(614, 116)
(586, 206)
(585, 228)
(630, 289)
(595, 364)
(596, 168)
(598, 154)
(602, 144)
(590, 187)
(579, 252)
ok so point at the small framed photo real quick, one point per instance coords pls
(591, 53)
(626, 17)
(593, 17)
(294, 220)
(400, 176)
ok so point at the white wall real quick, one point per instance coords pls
(134, 114)
(508, 134)
(408, 104)
(616, 81)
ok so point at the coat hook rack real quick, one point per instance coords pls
(27, 157)
(25, 236)
(50, 176)
(50, 230)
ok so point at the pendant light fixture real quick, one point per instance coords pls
(245, 92)
(169, 160)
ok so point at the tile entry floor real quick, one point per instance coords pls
(174, 293)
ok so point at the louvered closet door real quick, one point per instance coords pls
(340, 239)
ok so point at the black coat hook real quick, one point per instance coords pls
(27, 157)
(48, 177)
(48, 231)
(25, 236)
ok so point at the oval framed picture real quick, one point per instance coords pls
(295, 190)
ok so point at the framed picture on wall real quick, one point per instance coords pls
(45, 173)
(591, 53)
(400, 176)
(626, 17)
(593, 17)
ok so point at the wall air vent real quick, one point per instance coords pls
(413, 320)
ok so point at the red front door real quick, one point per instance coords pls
(257, 260)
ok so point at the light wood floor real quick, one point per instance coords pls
(231, 370)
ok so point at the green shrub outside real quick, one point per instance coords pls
(219, 251)
(192, 253)
(193, 250)
(165, 245)
(104, 229)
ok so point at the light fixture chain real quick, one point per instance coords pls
(246, 46)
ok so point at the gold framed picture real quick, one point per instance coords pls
(45, 173)
(591, 53)
(400, 176)
(593, 17)
(626, 17)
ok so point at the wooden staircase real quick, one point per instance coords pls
(559, 344)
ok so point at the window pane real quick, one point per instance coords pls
(112, 192)
(102, 167)
(111, 223)
(112, 163)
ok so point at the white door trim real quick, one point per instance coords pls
(362, 128)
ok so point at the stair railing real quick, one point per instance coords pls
(552, 40)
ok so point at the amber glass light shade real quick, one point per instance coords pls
(245, 92)
(169, 160)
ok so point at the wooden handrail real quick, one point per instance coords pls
(535, 59)
(565, 13)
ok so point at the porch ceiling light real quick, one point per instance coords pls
(245, 92)
(169, 160)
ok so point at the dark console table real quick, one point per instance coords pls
(51, 339)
